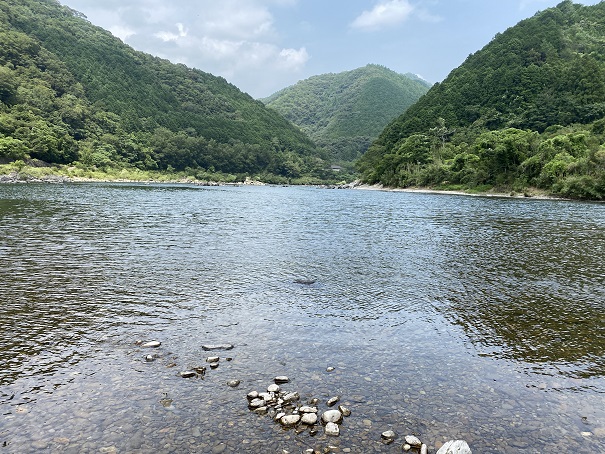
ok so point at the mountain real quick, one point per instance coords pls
(345, 112)
(72, 93)
(527, 110)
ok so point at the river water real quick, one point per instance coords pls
(443, 316)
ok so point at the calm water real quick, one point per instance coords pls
(444, 316)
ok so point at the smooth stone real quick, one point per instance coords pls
(413, 441)
(406, 447)
(309, 418)
(307, 409)
(150, 358)
(279, 416)
(330, 369)
(210, 347)
(261, 410)
(388, 435)
(290, 420)
(214, 365)
(152, 344)
(331, 402)
(213, 359)
(334, 416)
(273, 388)
(455, 447)
(188, 374)
(233, 383)
(266, 396)
(252, 395)
(281, 380)
(344, 410)
(332, 429)
(424, 449)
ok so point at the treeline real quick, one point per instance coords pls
(526, 111)
(71, 93)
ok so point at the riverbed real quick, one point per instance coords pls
(443, 316)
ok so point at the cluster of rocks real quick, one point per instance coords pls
(286, 409)
(413, 444)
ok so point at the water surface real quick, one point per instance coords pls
(444, 316)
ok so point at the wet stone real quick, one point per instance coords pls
(344, 410)
(211, 347)
(258, 402)
(290, 397)
(281, 379)
(290, 420)
(151, 344)
(273, 388)
(388, 435)
(455, 447)
(309, 418)
(334, 416)
(413, 441)
(332, 429)
(188, 374)
(213, 359)
(307, 409)
(331, 402)
(252, 395)
(233, 383)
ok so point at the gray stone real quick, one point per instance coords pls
(334, 416)
(424, 449)
(233, 383)
(188, 374)
(213, 359)
(455, 447)
(210, 347)
(255, 403)
(307, 409)
(413, 441)
(290, 420)
(406, 447)
(344, 410)
(331, 402)
(273, 388)
(152, 344)
(252, 395)
(281, 379)
(332, 429)
(330, 369)
(309, 418)
(388, 435)
(290, 397)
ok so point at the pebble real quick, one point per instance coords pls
(151, 344)
(255, 403)
(233, 383)
(424, 449)
(331, 402)
(406, 447)
(188, 374)
(388, 435)
(334, 416)
(291, 397)
(413, 441)
(330, 369)
(281, 380)
(290, 420)
(344, 410)
(252, 395)
(273, 388)
(332, 429)
(213, 359)
(307, 409)
(309, 418)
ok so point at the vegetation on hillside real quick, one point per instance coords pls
(72, 94)
(343, 113)
(528, 110)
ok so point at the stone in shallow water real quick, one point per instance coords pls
(344, 410)
(455, 447)
(188, 374)
(255, 403)
(332, 429)
(309, 418)
(307, 409)
(388, 435)
(252, 395)
(152, 344)
(213, 359)
(334, 416)
(210, 347)
(413, 441)
(233, 383)
(331, 402)
(281, 379)
(273, 388)
(424, 449)
(290, 420)
(290, 397)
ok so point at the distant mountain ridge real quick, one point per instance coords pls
(527, 110)
(99, 103)
(344, 112)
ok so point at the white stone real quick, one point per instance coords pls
(257, 403)
(332, 429)
(424, 449)
(290, 420)
(332, 401)
(331, 416)
(273, 388)
(455, 447)
(291, 397)
(213, 359)
(307, 409)
(388, 435)
(233, 383)
(309, 418)
(152, 344)
(281, 379)
(413, 441)
(188, 374)
(344, 410)
(252, 395)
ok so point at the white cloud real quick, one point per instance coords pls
(122, 32)
(385, 14)
(294, 59)
(169, 36)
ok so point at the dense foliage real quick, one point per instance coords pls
(345, 112)
(71, 93)
(528, 110)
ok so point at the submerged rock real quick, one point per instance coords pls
(455, 447)
(210, 347)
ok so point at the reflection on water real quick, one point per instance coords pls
(447, 316)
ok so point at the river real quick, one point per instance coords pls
(444, 316)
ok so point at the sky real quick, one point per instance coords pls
(262, 46)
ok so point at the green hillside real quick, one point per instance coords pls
(345, 112)
(71, 93)
(528, 110)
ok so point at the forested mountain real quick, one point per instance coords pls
(345, 112)
(528, 110)
(70, 92)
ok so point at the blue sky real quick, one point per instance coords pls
(265, 45)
